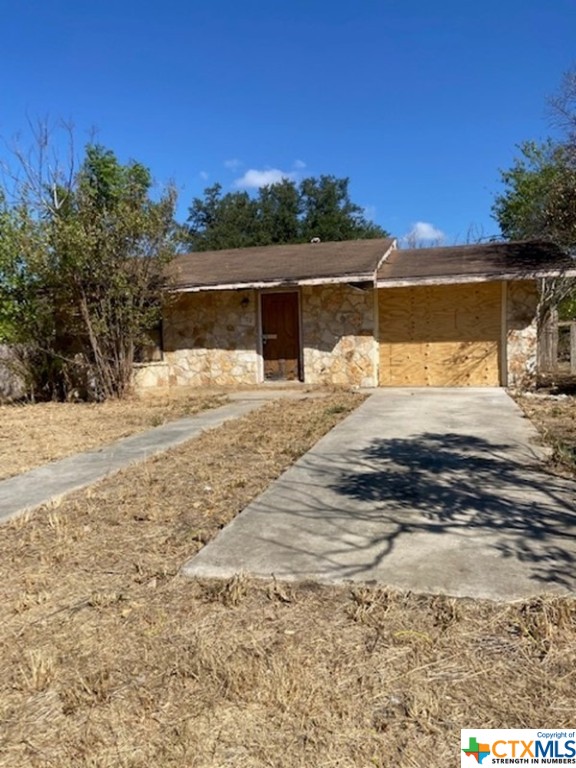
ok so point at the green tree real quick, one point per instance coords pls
(539, 195)
(27, 320)
(81, 281)
(222, 221)
(328, 212)
(280, 213)
(9, 273)
(539, 199)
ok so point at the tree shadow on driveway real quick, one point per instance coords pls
(465, 486)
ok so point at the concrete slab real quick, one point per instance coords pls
(438, 490)
(52, 481)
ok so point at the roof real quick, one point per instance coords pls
(374, 261)
(278, 265)
(474, 263)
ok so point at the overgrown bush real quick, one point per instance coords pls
(82, 265)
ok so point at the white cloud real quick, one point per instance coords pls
(299, 165)
(254, 179)
(424, 231)
(203, 175)
(233, 164)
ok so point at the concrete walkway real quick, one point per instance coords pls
(50, 482)
(429, 490)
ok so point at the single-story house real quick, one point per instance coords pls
(359, 313)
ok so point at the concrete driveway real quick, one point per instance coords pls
(437, 490)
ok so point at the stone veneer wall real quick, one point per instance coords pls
(338, 335)
(209, 339)
(150, 375)
(521, 332)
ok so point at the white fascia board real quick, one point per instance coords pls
(460, 279)
(386, 255)
(275, 284)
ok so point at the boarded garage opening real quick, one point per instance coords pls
(440, 336)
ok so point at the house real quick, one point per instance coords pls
(358, 313)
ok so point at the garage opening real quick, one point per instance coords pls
(440, 336)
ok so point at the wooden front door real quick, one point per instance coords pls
(280, 336)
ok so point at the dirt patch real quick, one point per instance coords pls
(109, 658)
(32, 435)
(554, 415)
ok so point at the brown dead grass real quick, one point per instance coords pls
(109, 658)
(555, 418)
(32, 435)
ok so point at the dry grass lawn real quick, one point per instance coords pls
(109, 658)
(32, 435)
(555, 418)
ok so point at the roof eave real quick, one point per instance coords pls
(277, 283)
(487, 277)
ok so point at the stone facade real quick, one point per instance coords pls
(338, 335)
(151, 375)
(521, 332)
(210, 339)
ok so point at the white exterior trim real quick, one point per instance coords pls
(279, 285)
(480, 278)
(504, 336)
(376, 337)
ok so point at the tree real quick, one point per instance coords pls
(9, 269)
(328, 212)
(82, 276)
(27, 320)
(539, 197)
(278, 213)
(218, 222)
(281, 213)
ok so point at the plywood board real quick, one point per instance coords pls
(439, 336)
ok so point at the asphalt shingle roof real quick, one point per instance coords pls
(280, 264)
(366, 261)
(484, 261)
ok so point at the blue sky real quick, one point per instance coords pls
(419, 103)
